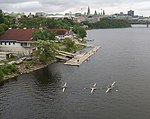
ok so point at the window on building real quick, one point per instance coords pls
(5, 43)
(25, 44)
(9, 43)
(13, 43)
(1, 43)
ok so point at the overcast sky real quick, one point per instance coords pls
(141, 7)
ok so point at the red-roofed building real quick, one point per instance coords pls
(21, 40)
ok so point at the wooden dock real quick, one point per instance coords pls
(61, 57)
(79, 59)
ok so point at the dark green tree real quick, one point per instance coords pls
(46, 51)
(70, 45)
(108, 23)
(80, 31)
(5, 27)
(1, 17)
(44, 34)
(1, 30)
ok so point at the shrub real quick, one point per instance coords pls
(1, 74)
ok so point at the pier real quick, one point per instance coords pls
(62, 55)
(79, 59)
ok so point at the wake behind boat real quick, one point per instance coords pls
(110, 87)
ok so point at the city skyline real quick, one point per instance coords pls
(141, 7)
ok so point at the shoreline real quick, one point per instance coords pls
(23, 70)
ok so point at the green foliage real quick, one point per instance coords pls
(51, 35)
(5, 27)
(7, 70)
(1, 74)
(1, 17)
(70, 45)
(80, 31)
(10, 21)
(37, 22)
(46, 51)
(108, 23)
(1, 30)
(31, 63)
(44, 34)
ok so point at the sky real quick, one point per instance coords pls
(141, 7)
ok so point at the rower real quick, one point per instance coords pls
(93, 88)
(64, 87)
(110, 87)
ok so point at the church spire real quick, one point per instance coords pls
(88, 12)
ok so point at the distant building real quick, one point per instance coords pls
(78, 14)
(40, 14)
(131, 13)
(13, 14)
(95, 13)
(57, 16)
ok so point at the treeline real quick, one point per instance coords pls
(37, 22)
(3, 25)
(65, 23)
(108, 23)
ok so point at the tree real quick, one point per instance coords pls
(1, 17)
(44, 34)
(5, 27)
(51, 35)
(81, 32)
(70, 45)
(108, 23)
(1, 30)
(46, 51)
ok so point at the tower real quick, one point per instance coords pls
(88, 12)
(103, 12)
(95, 13)
(131, 13)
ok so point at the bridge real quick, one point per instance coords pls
(146, 22)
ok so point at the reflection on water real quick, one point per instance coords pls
(123, 58)
(47, 76)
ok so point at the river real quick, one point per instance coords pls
(124, 57)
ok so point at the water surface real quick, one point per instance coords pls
(124, 57)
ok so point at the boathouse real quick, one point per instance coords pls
(21, 41)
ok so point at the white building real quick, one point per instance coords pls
(17, 40)
(20, 41)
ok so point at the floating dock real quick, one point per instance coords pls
(80, 58)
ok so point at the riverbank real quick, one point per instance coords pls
(23, 68)
(26, 65)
